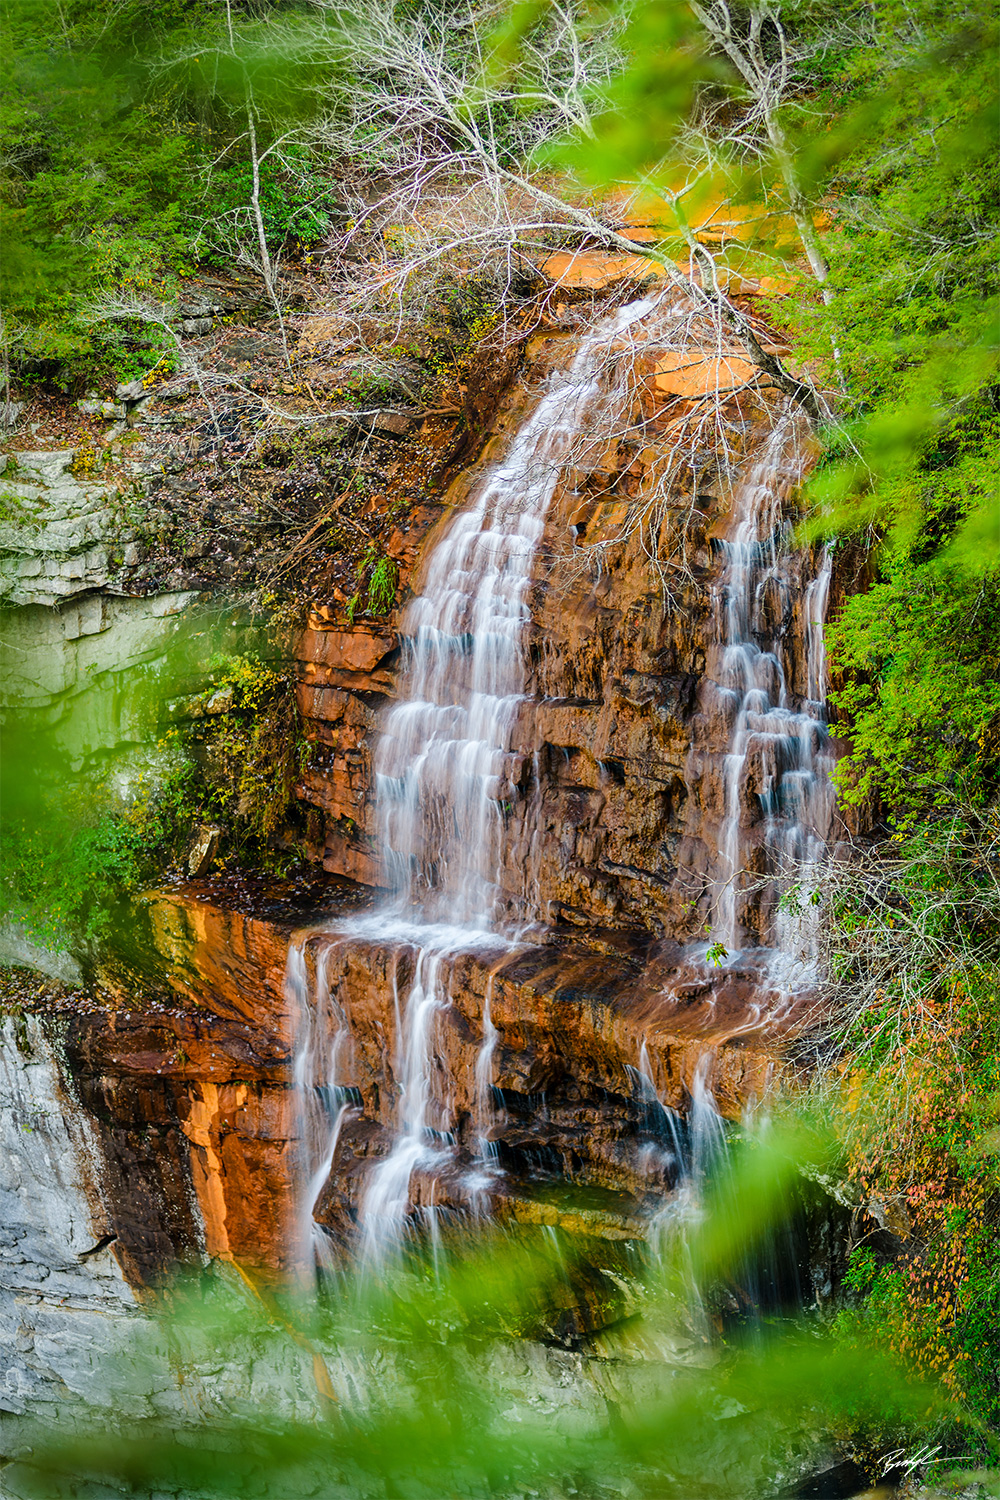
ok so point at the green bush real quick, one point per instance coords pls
(294, 198)
(915, 940)
(250, 755)
(67, 888)
(94, 177)
(113, 123)
(906, 337)
(919, 660)
(382, 586)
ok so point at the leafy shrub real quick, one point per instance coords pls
(915, 936)
(251, 753)
(294, 198)
(68, 889)
(91, 192)
(918, 656)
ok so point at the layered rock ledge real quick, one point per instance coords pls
(179, 1071)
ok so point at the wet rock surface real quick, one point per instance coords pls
(618, 782)
(191, 1119)
(567, 1109)
(612, 805)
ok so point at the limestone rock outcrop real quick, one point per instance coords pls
(59, 524)
(62, 1291)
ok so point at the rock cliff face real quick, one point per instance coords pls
(667, 760)
(62, 1292)
(624, 728)
(58, 531)
(592, 1000)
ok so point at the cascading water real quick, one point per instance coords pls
(424, 1145)
(778, 752)
(777, 792)
(443, 764)
(694, 1148)
(447, 773)
(817, 599)
(324, 1100)
(443, 767)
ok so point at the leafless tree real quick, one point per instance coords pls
(241, 232)
(456, 185)
(765, 60)
(684, 445)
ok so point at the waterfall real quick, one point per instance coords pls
(662, 1153)
(324, 1099)
(776, 774)
(444, 768)
(700, 1151)
(464, 877)
(424, 1141)
(817, 598)
(444, 765)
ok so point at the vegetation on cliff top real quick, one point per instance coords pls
(914, 312)
(913, 248)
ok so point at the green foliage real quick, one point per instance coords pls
(908, 337)
(217, 62)
(251, 752)
(935, 1296)
(417, 1389)
(917, 938)
(294, 198)
(382, 576)
(914, 249)
(91, 187)
(115, 123)
(382, 586)
(67, 880)
(70, 889)
(920, 658)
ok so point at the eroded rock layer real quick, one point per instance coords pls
(613, 801)
(624, 730)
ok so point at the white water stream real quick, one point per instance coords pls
(443, 769)
(444, 761)
(779, 749)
